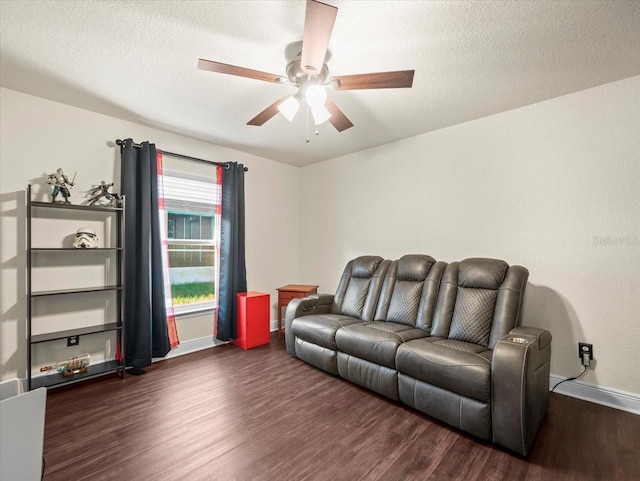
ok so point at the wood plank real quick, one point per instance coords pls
(225, 413)
(377, 80)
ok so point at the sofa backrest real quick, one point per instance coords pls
(359, 287)
(480, 301)
(409, 291)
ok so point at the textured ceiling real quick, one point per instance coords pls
(137, 60)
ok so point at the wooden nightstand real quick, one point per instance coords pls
(288, 292)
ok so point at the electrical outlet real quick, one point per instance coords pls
(73, 341)
(585, 353)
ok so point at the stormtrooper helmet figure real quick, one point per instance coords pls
(85, 239)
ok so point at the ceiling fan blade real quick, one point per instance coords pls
(267, 113)
(379, 80)
(318, 25)
(238, 71)
(338, 119)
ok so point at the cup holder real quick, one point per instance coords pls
(519, 340)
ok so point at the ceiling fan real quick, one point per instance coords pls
(309, 73)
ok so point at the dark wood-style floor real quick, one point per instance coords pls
(228, 414)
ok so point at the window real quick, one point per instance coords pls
(191, 205)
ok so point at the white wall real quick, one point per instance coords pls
(39, 136)
(543, 186)
(553, 186)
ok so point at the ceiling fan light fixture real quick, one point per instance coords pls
(316, 96)
(308, 72)
(320, 113)
(289, 107)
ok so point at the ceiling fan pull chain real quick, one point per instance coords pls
(306, 133)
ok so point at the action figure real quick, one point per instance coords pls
(102, 191)
(60, 183)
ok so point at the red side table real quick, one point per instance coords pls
(253, 319)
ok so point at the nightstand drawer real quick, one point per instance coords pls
(287, 296)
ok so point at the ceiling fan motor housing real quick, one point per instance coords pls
(298, 76)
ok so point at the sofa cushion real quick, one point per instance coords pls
(447, 364)
(461, 346)
(376, 342)
(321, 329)
(405, 300)
(365, 266)
(414, 267)
(473, 315)
(480, 300)
(482, 273)
(359, 288)
(409, 291)
(355, 296)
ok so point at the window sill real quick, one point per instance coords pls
(183, 312)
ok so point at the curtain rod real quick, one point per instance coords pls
(180, 156)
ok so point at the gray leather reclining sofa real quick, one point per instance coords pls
(441, 338)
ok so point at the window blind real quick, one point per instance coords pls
(188, 193)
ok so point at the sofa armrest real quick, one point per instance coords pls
(520, 387)
(314, 304)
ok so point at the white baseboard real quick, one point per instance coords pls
(607, 396)
(273, 325)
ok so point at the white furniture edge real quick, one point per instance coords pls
(22, 434)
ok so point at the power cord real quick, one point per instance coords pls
(570, 379)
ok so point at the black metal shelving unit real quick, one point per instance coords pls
(117, 327)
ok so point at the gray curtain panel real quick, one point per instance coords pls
(233, 272)
(145, 316)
